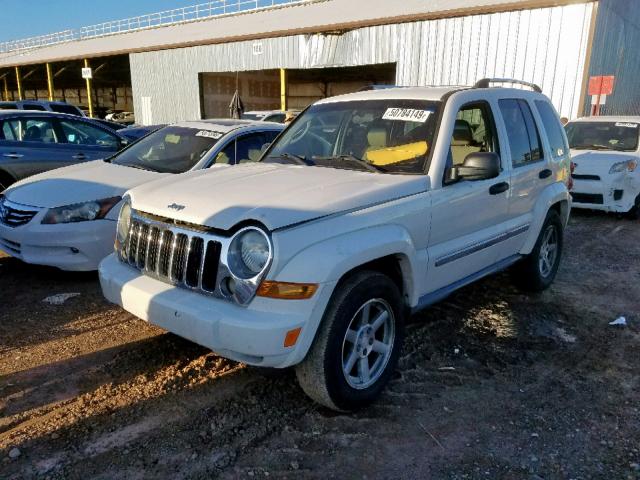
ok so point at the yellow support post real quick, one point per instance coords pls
(49, 81)
(19, 83)
(6, 88)
(283, 89)
(89, 100)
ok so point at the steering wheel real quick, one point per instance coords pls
(298, 135)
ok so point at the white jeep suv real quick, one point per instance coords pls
(370, 206)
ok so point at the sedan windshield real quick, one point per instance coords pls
(392, 136)
(169, 150)
(618, 136)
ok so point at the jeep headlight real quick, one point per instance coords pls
(628, 165)
(124, 223)
(249, 253)
(80, 212)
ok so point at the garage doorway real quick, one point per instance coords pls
(261, 90)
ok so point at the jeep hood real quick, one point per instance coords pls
(78, 183)
(272, 194)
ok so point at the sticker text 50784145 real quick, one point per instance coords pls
(406, 115)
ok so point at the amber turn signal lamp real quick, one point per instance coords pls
(287, 291)
(291, 337)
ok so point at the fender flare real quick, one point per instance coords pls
(336, 256)
(556, 193)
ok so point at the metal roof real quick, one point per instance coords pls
(314, 16)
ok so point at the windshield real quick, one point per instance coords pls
(391, 136)
(168, 150)
(619, 136)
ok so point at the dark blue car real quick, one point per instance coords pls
(32, 142)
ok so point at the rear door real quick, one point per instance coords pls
(530, 168)
(84, 141)
(29, 145)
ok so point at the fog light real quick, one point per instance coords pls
(617, 194)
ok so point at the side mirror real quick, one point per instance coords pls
(264, 147)
(123, 142)
(477, 166)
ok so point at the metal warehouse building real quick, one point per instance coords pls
(186, 63)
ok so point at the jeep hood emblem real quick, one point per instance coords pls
(175, 206)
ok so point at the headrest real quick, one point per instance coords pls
(462, 134)
(33, 133)
(377, 137)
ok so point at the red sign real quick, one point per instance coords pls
(601, 85)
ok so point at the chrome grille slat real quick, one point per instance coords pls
(15, 215)
(174, 255)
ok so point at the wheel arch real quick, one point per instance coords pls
(555, 197)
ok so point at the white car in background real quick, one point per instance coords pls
(605, 151)
(277, 116)
(66, 218)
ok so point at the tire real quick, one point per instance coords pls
(321, 374)
(634, 213)
(532, 273)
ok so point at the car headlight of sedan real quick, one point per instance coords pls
(627, 165)
(81, 212)
(249, 253)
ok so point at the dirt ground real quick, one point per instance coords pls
(492, 384)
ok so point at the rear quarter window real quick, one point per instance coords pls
(553, 128)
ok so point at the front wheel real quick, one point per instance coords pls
(357, 345)
(537, 270)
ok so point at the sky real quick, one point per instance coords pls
(29, 18)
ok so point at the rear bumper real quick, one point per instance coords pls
(72, 246)
(614, 193)
(253, 334)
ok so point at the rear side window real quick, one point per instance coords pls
(524, 138)
(33, 106)
(551, 125)
(70, 109)
(8, 106)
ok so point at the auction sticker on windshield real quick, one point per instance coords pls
(209, 134)
(406, 115)
(627, 125)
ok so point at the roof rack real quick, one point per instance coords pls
(486, 83)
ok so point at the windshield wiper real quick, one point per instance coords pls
(363, 163)
(297, 159)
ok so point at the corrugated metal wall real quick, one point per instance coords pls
(615, 52)
(547, 46)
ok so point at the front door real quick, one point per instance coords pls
(467, 216)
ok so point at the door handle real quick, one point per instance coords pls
(546, 173)
(80, 156)
(12, 155)
(499, 188)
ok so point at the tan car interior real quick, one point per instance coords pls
(462, 142)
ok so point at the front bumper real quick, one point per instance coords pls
(611, 193)
(71, 246)
(253, 334)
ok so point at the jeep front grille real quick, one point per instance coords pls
(174, 255)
